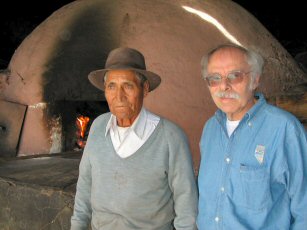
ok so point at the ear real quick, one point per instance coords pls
(145, 88)
(256, 82)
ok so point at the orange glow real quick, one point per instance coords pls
(82, 122)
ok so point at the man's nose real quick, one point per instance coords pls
(120, 94)
(224, 85)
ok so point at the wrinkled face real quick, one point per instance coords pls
(124, 94)
(235, 99)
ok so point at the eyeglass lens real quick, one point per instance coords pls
(232, 78)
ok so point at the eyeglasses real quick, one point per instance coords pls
(233, 77)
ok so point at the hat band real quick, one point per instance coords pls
(125, 66)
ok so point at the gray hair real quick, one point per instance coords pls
(140, 76)
(254, 60)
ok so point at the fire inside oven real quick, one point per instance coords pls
(60, 126)
(75, 118)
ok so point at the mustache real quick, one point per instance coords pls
(222, 94)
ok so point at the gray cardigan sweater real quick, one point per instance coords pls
(152, 189)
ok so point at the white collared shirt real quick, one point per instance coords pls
(127, 140)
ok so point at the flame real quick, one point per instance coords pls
(81, 144)
(82, 122)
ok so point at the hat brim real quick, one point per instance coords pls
(97, 77)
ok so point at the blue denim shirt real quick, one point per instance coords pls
(257, 177)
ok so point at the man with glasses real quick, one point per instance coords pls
(253, 172)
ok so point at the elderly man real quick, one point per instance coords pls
(136, 170)
(253, 172)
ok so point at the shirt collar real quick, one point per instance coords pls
(256, 108)
(139, 124)
(111, 124)
(137, 127)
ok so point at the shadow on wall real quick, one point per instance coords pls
(82, 47)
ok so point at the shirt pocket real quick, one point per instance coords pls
(250, 187)
(255, 185)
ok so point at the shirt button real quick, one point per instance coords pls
(228, 160)
(217, 219)
(222, 189)
(249, 124)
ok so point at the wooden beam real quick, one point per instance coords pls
(296, 105)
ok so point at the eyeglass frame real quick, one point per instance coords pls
(228, 79)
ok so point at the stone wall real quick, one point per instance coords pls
(37, 193)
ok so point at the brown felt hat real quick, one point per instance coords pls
(124, 58)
